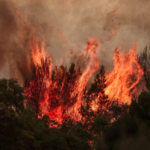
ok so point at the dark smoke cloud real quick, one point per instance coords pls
(69, 24)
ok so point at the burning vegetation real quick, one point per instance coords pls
(62, 112)
(60, 92)
(78, 106)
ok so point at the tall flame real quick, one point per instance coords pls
(54, 90)
(122, 80)
(57, 92)
(92, 66)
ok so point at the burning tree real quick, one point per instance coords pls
(36, 87)
(96, 94)
(96, 100)
(48, 92)
(59, 92)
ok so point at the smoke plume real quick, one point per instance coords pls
(66, 25)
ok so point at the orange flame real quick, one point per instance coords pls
(39, 54)
(90, 69)
(122, 81)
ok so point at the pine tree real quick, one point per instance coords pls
(35, 87)
(101, 85)
(59, 92)
(97, 89)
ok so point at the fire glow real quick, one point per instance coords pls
(62, 93)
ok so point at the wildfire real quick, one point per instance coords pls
(59, 93)
(122, 80)
(84, 78)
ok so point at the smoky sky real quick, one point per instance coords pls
(67, 25)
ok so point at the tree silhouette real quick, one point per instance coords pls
(97, 89)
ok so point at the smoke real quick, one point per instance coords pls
(67, 25)
(14, 50)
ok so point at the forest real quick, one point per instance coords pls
(113, 126)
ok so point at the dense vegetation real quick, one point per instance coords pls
(119, 127)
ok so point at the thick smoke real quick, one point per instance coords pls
(67, 25)
(15, 53)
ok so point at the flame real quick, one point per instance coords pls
(90, 69)
(60, 96)
(122, 80)
(55, 89)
